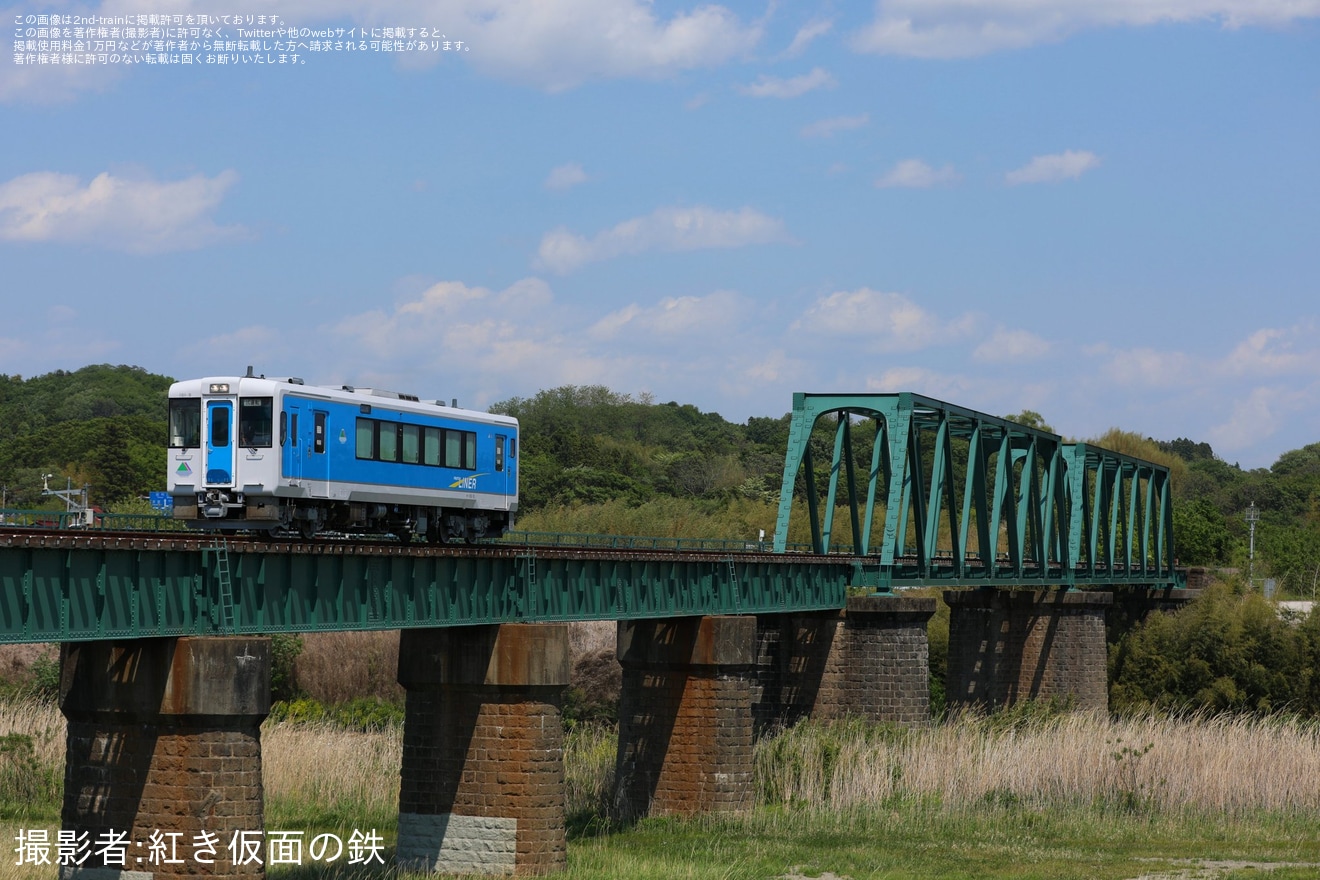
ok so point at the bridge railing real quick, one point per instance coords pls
(108, 522)
(633, 542)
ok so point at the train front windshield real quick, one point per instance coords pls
(185, 423)
(255, 421)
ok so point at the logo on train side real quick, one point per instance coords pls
(183, 470)
(466, 482)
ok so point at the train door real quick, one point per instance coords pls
(220, 443)
(291, 441)
(316, 461)
(503, 466)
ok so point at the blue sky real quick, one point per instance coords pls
(1102, 211)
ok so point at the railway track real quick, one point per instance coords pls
(330, 546)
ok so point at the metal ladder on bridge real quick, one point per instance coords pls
(221, 550)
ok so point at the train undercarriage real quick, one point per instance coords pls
(311, 518)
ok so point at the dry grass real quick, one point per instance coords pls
(1221, 765)
(17, 660)
(589, 754)
(39, 719)
(340, 666)
(591, 637)
(321, 770)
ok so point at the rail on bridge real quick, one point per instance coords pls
(954, 497)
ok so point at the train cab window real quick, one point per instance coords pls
(366, 438)
(431, 446)
(254, 421)
(388, 442)
(185, 424)
(499, 452)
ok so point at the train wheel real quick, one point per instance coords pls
(308, 529)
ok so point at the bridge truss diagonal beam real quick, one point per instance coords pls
(956, 497)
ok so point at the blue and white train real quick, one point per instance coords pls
(247, 452)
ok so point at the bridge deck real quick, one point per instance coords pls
(77, 586)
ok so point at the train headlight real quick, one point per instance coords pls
(219, 387)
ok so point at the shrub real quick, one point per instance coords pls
(1226, 651)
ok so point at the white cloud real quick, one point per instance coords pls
(959, 29)
(916, 174)
(666, 229)
(559, 45)
(1068, 165)
(520, 339)
(1150, 367)
(926, 382)
(552, 45)
(774, 87)
(1274, 352)
(1010, 346)
(47, 83)
(565, 176)
(135, 214)
(807, 34)
(887, 321)
(1256, 417)
(451, 327)
(824, 128)
(684, 317)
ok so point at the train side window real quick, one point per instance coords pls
(320, 432)
(185, 424)
(284, 426)
(293, 430)
(454, 449)
(411, 445)
(499, 452)
(366, 438)
(431, 446)
(388, 441)
(513, 447)
(470, 451)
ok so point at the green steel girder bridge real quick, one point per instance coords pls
(951, 498)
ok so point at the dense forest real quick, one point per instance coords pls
(101, 426)
(595, 459)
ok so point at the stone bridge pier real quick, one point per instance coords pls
(164, 743)
(871, 661)
(685, 716)
(482, 785)
(1009, 646)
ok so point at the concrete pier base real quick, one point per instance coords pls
(870, 661)
(685, 716)
(164, 743)
(482, 782)
(1006, 647)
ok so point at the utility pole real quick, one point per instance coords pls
(1253, 516)
(75, 500)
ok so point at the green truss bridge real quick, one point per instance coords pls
(917, 492)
